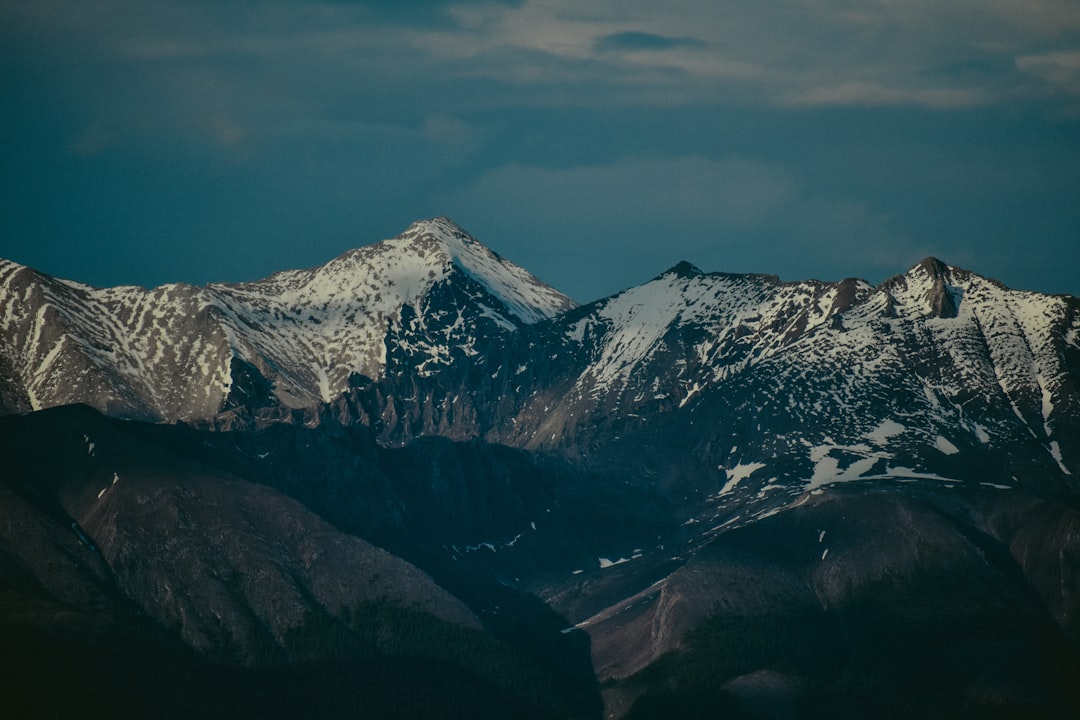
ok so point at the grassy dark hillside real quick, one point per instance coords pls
(921, 647)
(389, 631)
(45, 675)
(166, 571)
(83, 630)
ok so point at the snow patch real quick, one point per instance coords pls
(1055, 451)
(739, 473)
(904, 473)
(827, 468)
(606, 562)
(1047, 404)
(886, 430)
(943, 445)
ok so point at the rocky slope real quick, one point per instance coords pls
(119, 540)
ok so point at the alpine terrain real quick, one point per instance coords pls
(419, 482)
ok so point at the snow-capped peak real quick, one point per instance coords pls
(298, 335)
(386, 275)
(523, 294)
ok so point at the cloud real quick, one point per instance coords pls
(824, 53)
(452, 135)
(1060, 70)
(613, 225)
(863, 94)
(164, 66)
(634, 40)
(658, 191)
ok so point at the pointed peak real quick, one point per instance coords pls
(684, 269)
(523, 294)
(933, 267)
(932, 282)
(448, 237)
(930, 268)
(439, 226)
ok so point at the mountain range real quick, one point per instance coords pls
(419, 466)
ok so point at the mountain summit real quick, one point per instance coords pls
(180, 352)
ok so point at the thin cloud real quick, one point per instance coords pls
(304, 57)
(734, 192)
(635, 40)
(653, 211)
(863, 94)
(1059, 69)
(808, 54)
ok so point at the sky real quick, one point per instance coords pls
(596, 143)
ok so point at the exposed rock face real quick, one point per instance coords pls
(234, 566)
(155, 534)
(834, 549)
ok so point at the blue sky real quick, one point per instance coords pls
(594, 142)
